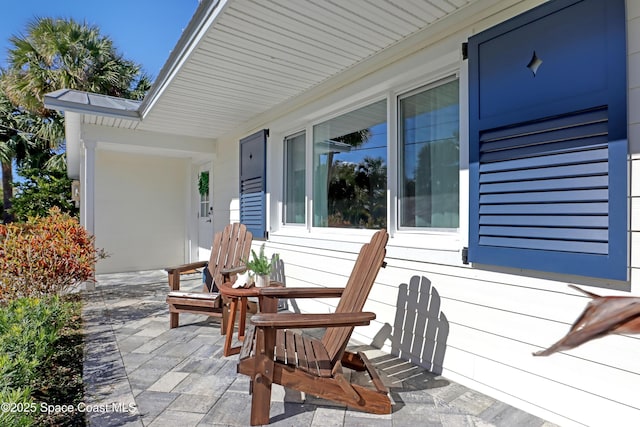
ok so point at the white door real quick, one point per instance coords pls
(204, 185)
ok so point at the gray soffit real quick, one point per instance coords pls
(197, 26)
(237, 60)
(240, 59)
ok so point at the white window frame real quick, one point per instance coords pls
(448, 240)
(204, 200)
(284, 180)
(399, 146)
(337, 112)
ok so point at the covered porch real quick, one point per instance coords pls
(301, 78)
(144, 374)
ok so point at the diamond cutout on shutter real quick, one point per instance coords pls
(534, 64)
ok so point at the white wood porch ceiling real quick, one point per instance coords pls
(259, 54)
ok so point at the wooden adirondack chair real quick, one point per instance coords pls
(230, 248)
(273, 354)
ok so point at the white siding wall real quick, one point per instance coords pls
(140, 213)
(478, 326)
(482, 327)
(226, 182)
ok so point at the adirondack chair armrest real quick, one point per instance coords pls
(282, 292)
(174, 273)
(228, 272)
(185, 267)
(295, 320)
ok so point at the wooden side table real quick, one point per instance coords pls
(240, 296)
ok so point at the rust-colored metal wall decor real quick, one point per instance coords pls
(602, 316)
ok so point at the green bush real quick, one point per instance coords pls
(18, 399)
(31, 330)
(41, 190)
(45, 256)
(28, 327)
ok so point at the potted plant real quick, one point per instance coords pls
(261, 266)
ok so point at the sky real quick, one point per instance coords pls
(144, 31)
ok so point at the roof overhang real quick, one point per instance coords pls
(239, 60)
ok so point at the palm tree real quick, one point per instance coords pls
(26, 139)
(62, 53)
(55, 54)
(9, 140)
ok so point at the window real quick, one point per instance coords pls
(429, 157)
(204, 205)
(203, 189)
(350, 169)
(294, 179)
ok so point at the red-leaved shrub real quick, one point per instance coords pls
(45, 256)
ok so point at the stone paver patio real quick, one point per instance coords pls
(138, 372)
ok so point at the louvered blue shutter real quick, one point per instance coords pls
(548, 142)
(253, 183)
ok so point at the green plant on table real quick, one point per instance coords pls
(259, 263)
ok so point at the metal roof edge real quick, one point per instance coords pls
(55, 101)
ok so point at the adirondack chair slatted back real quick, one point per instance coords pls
(230, 249)
(365, 270)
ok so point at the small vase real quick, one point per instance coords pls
(262, 280)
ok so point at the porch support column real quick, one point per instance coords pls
(87, 209)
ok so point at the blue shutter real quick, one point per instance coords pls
(253, 183)
(548, 149)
